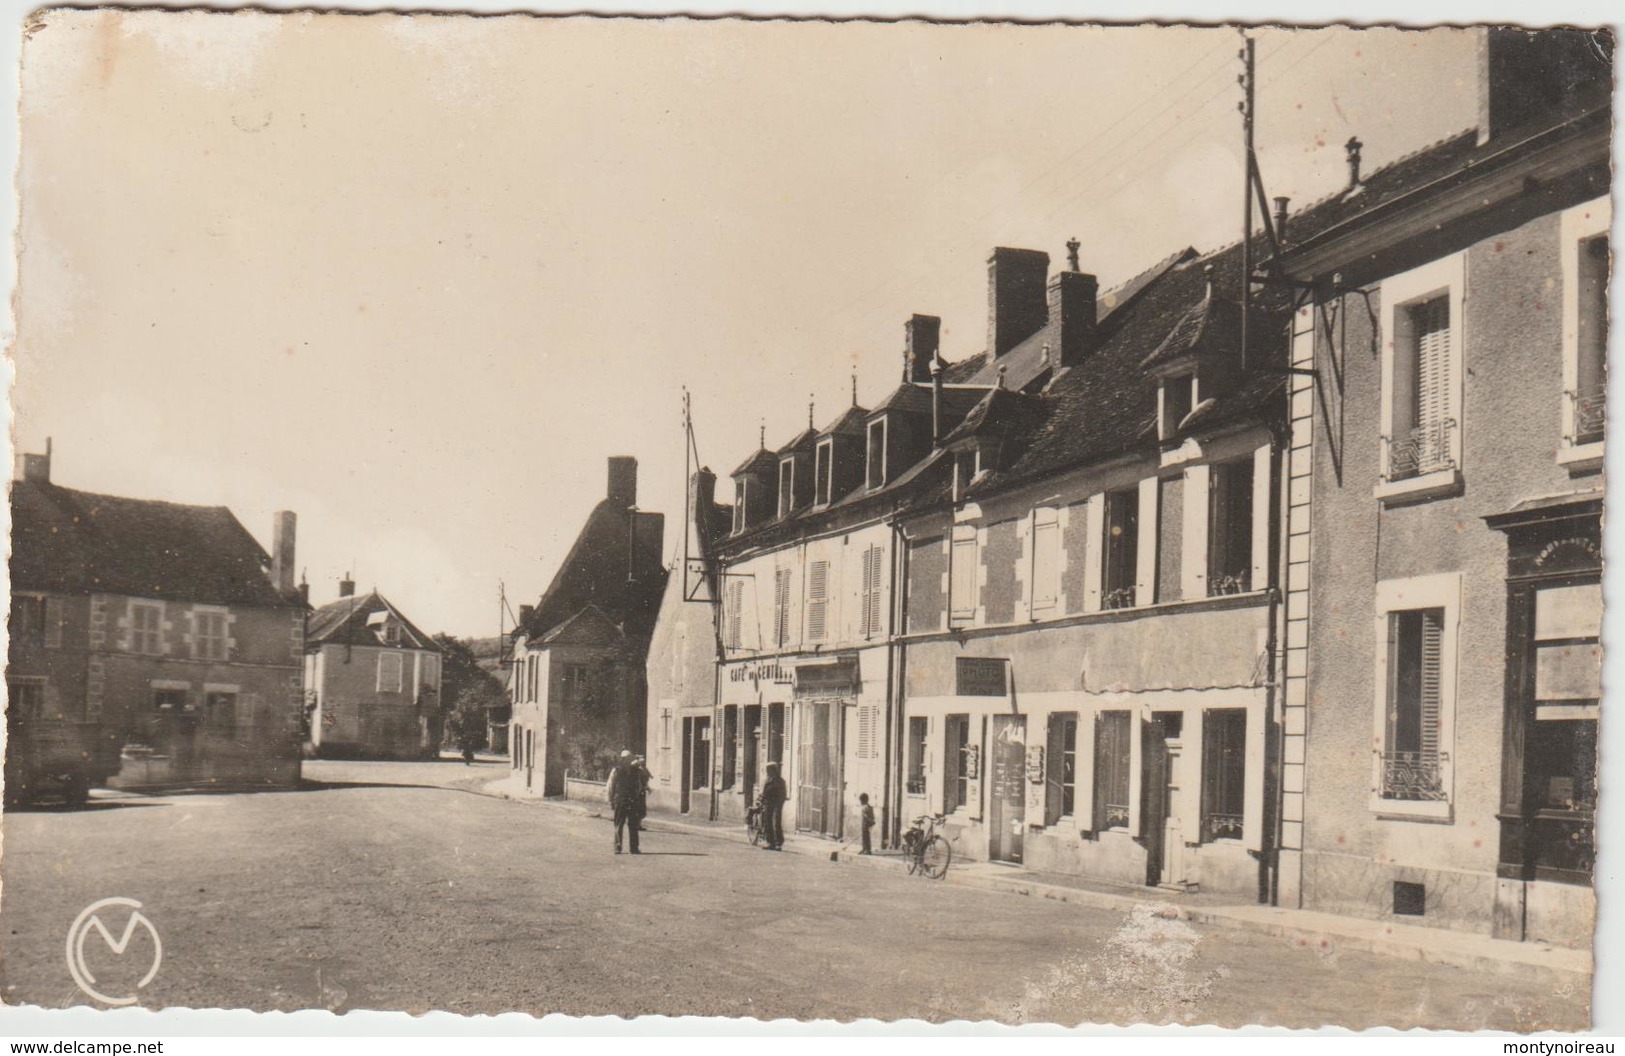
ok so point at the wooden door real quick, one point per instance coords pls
(1007, 808)
(818, 767)
(1153, 797)
(750, 744)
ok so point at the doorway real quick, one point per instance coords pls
(1155, 801)
(1007, 810)
(818, 775)
(750, 752)
(696, 758)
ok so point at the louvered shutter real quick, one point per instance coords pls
(817, 599)
(736, 597)
(781, 606)
(1432, 321)
(1431, 681)
(871, 591)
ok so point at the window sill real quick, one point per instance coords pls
(1439, 811)
(1420, 488)
(1580, 458)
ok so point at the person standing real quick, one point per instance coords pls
(868, 823)
(625, 794)
(645, 778)
(774, 793)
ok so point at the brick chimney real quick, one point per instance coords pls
(623, 481)
(702, 507)
(35, 468)
(1550, 74)
(1072, 316)
(1016, 308)
(346, 587)
(283, 523)
(921, 338)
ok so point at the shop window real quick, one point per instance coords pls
(1560, 750)
(963, 575)
(781, 607)
(1224, 773)
(389, 673)
(730, 746)
(817, 600)
(1046, 571)
(917, 733)
(957, 755)
(1120, 548)
(1061, 765)
(1230, 528)
(1422, 352)
(1113, 750)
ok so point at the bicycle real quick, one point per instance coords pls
(925, 849)
(753, 825)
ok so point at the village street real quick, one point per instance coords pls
(398, 886)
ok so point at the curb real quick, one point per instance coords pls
(1534, 961)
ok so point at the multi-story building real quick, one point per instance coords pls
(162, 629)
(1444, 599)
(372, 680)
(576, 660)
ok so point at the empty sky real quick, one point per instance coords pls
(416, 278)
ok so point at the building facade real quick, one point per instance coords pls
(161, 631)
(576, 661)
(1445, 597)
(372, 680)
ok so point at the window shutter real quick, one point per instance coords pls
(817, 599)
(871, 590)
(1432, 321)
(736, 597)
(1432, 680)
(53, 623)
(781, 606)
(1083, 790)
(1046, 553)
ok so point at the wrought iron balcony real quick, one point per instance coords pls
(1222, 583)
(916, 786)
(1116, 815)
(1413, 776)
(1221, 827)
(1121, 598)
(1590, 414)
(1425, 449)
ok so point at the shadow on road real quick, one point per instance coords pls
(673, 854)
(64, 808)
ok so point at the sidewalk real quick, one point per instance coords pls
(1558, 965)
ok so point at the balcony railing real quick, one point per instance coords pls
(1222, 583)
(1425, 449)
(1590, 414)
(1121, 598)
(1115, 815)
(1413, 776)
(1221, 827)
(916, 785)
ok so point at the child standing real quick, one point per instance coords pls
(868, 822)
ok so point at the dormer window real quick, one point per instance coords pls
(787, 491)
(824, 471)
(387, 630)
(1175, 400)
(740, 490)
(967, 464)
(877, 453)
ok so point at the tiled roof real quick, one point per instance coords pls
(76, 542)
(850, 423)
(345, 621)
(804, 442)
(762, 461)
(588, 627)
(616, 564)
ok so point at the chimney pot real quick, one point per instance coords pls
(1352, 149)
(1016, 305)
(1282, 203)
(346, 587)
(525, 613)
(35, 468)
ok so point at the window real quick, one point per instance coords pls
(146, 634)
(392, 632)
(1224, 772)
(781, 607)
(209, 635)
(966, 465)
(824, 471)
(1230, 528)
(1422, 350)
(1585, 329)
(1046, 572)
(575, 684)
(730, 745)
(172, 700)
(963, 575)
(1061, 762)
(55, 617)
(817, 600)
(877, 453)
(1411, 763)
(1120, 548)
(957, 756)
(389, 672)
(28, 617)
(733, 605)
(787, 486)
(739, 504)
(1178, 398)
(874, 577)
(917, 728)
(220, 710)
(1112, 754)
(25, 700)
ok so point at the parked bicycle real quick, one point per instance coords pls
(925, 849)
(753, 824)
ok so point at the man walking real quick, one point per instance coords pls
(625, 793)
(774, 793)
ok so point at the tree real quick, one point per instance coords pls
(467, 690)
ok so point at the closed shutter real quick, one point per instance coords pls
(962, 582)
(1432, 680)
(53, 623)
(736, 601)
(781, 606)
(817, 599)
(1432, 322)
(872, 574)
(868, 744)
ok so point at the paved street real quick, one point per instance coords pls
(397, 886)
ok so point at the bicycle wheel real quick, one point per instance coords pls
(753, 829)
(934, 858)
(911, 850)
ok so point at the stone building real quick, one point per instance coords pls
(163, 631)
(1444, 588)
(372, 680)
(576, 659)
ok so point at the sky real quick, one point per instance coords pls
(417, 278)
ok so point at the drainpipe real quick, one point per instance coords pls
(1275, 693)
(896, 656)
